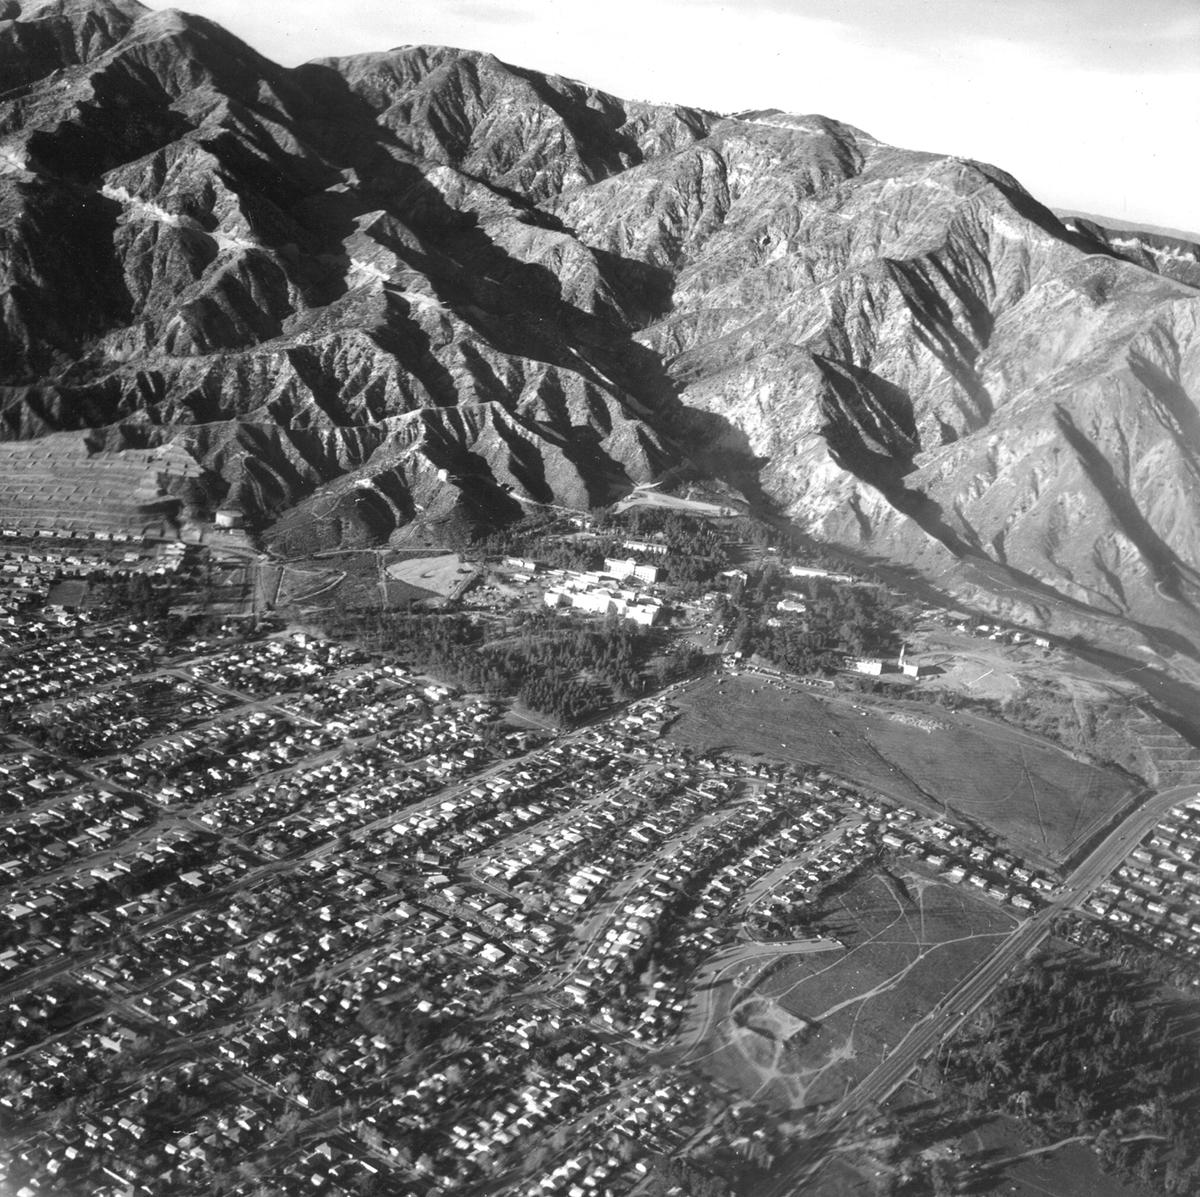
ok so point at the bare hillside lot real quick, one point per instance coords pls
(822, 1021)
(1023, 788)
(442, 574)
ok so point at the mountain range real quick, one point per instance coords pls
(371, 293)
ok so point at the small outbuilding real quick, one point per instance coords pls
(231, 515)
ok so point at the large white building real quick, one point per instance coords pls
(626, 567)
(601, 600)
(523, 563)
(808, 571)
(645, 546)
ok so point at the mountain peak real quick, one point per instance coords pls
(71, 10)
(801, 122)
(390, 270)
(39, 37)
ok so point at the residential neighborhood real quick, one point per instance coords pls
(281, 912)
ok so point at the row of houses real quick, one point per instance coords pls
(43, 580)
(314, 926)
(83, 537)
(276, 664)
(75, 826)
(635, 923)
(1155, 893)
(114, 718)
(962, 861)
(63, 668)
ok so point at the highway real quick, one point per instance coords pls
(798, 1165)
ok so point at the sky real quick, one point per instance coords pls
(1093, 105)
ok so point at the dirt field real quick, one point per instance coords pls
(821, 1022)
(981, 668)
(1021, 787)
(653, 498)
(443, 575)
(972, 673)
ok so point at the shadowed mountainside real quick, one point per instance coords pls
(400, 284)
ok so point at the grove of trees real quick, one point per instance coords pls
(840, 619)
(566, 670)
(1078, 1045)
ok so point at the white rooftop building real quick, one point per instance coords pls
(627, 567)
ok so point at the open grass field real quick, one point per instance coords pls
(818, 1023)
(1021, 787)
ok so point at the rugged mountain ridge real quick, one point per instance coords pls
(1172, 252)
(397, 284)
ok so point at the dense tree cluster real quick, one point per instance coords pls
(840, 620)
(139, 597)
(696, 550)
(568, 671)
(672, 1175)
(1079, 1046)
(546, 538)
(1130, 951)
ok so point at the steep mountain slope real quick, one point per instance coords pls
(923, 355)
(398, 283)
(196, 237)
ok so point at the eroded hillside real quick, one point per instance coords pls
(403, 283)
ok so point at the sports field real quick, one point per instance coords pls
(821, 1022)
(1023, 788)
(442, 575)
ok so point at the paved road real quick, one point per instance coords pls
(948, 1015)
(711, 1002)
